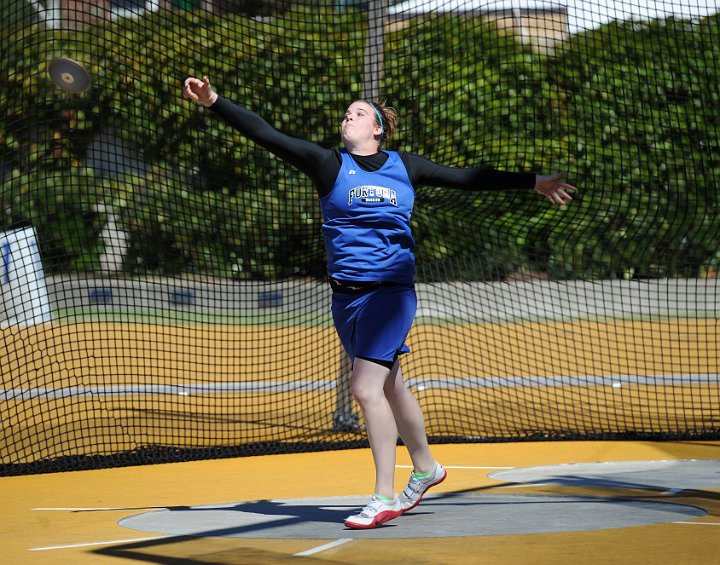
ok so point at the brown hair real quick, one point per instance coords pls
(389, 118)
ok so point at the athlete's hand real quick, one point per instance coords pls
(554, 188)
(200, 91)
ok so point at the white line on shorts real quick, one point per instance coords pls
(109, 542)
(324, 547)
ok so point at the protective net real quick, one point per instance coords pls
(163, 277)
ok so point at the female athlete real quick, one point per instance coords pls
(366, 197)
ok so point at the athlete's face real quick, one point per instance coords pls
(360, 127)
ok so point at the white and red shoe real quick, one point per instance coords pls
(376, 513)
(417, 487)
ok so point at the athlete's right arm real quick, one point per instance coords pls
(305, 155)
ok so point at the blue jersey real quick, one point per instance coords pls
(366, 223)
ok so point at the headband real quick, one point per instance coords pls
(382, 128)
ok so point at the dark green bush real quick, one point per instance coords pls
(630, 112)
(643, 135)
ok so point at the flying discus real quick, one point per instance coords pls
(69, 75)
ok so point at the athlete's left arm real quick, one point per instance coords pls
(424, 171)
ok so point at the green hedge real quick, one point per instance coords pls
(650, 160)
(630, 112)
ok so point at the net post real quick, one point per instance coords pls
(374, 49)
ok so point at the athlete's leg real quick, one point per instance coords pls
(409, 420)
(368, 380)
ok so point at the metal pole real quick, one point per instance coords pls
(374, 48)
(49, 13)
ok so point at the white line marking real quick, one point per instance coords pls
(82, 509)
(453, 467)
(699, 523)
(324, 547)
(109, 542)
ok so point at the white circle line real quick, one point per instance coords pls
(88, 544)
(82, 509)
(323, 547)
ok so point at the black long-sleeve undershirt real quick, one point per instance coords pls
(322, 165)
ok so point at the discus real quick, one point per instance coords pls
(69, 75)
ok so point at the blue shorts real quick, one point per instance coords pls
(374, 325)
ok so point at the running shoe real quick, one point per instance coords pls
(418, 486)
(375, 514)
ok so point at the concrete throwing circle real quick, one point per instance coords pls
(678, 474)
(444, 515)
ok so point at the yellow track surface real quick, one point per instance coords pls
(72, 517)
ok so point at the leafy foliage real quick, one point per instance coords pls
(628, 110)
(642, 113)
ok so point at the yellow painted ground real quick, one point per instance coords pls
(26, 526)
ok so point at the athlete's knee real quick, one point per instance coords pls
(395, 389)
(395, 386)
(368, 380)
(403, 402)
(366, 393)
